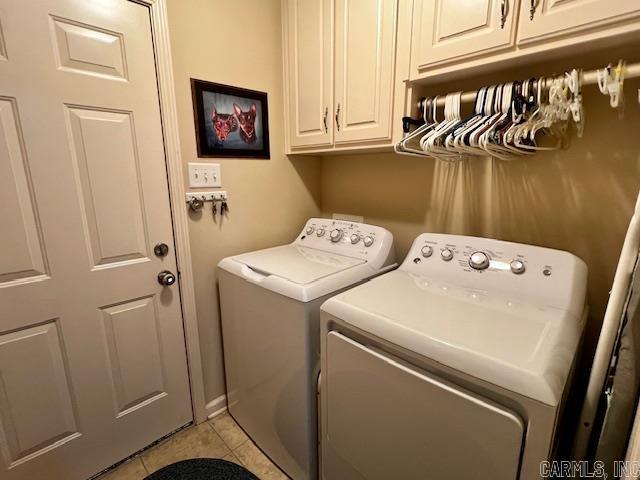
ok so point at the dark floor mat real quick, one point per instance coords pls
(202, 469)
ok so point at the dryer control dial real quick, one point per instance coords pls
(368, 241)
(479, 261)
(426, 251)
(310, 230)
(446, 254)
(517, 266)
(320, 232)
(355, 238)
(335, 235)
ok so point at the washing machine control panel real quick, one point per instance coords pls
(353, 239)
(494, 265)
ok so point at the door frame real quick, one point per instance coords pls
(175, 177)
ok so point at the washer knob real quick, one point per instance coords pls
(310, 230)
(517, 266)
(335, 235)
(320, 232)
(446, 254)
(479, 261)
(368, 241)
(355, 238)
(427, 251)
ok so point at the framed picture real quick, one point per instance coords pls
(230, 121)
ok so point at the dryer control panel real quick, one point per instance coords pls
(495, 265)
(358, 240)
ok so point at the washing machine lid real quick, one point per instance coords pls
(300, 265)
(523, 348)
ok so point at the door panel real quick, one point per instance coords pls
(310, 74)
(88, 49)
(554, 18)
(107, 162)
(364, 69)
(39, 372)
(92, 354)
(137, 371)
(21, 255)
(452, 30)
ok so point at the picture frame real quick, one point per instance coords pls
(230, 121)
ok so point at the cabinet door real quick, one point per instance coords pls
(309, 71)
(364, 69)
(452, 30)
(555, 18)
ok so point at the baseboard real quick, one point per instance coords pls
(216, 406)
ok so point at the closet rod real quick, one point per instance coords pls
(589, 77)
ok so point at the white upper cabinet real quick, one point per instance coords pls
(453, 30)
(365, 34)
(550, 19)
(340, 72)
(309, 69)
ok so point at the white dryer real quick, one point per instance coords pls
(270, 306)
(453, 366)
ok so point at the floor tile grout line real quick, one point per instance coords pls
(144, 465)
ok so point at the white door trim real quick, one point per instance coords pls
(168, 112)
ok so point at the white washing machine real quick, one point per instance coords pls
(270, 305)
(453, 366)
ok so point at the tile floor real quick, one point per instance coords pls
(220, 437)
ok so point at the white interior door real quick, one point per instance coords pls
(453, 30)
(364, 69)
(92, 354)
(556, 18)
(310, 72)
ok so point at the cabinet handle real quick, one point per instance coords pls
(337, 118)
(532, 10)
(503, 13)
(324, 119)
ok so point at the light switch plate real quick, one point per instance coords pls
(204, 175)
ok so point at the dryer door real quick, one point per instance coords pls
(384, 419)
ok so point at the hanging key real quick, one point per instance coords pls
(214, 207)
(224, 208)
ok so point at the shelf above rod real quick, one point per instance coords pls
(589, 77)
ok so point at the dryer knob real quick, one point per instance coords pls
(310, 230)
(446, 254)
(517, 267)
(479, 261)
(335, 235)
(355, 238)
(427, 251)
(320, 232)
(368, 241)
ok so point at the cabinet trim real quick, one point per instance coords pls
(589, 27)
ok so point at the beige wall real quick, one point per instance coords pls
(578, 200)
(237, 43)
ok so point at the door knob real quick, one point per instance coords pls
(161, 250)
(166, 278)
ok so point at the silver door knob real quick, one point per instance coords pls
(166, 278)
(195, 204)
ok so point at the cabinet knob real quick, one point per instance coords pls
(503, 13)
(532, 10)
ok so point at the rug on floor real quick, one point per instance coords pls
(202, 469)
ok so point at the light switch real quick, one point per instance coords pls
(204, 175)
